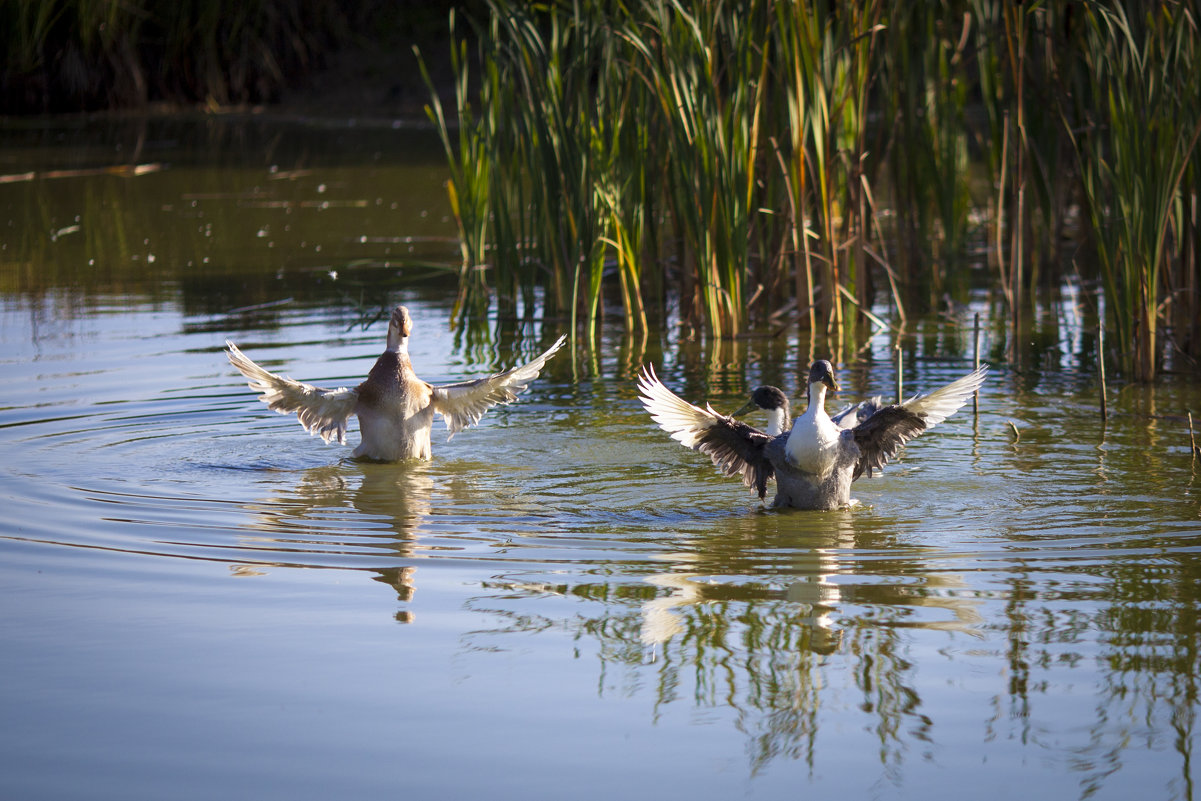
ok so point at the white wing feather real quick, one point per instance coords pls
(679, 418)
(464, 403)
(945, 401)
(322, 412)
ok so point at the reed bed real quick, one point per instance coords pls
(754, 162)
(744, 165)
(83, 54)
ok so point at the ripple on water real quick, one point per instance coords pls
(199, 469)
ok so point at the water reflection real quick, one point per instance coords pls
(809, 577)
(668, 616)
(749, 614)
(392, 498)
(1012, 608)
(382, 505)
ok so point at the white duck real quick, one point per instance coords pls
(816, 461)
(395, 408)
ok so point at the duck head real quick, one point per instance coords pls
(399, 328)
(773, 401)
(822, 372)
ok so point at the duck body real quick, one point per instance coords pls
(395, 408)
(815, 462)
(799, 488)
(396, 415)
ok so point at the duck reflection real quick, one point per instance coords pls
(390, 498)
(813, 597)
(390, 504)
(752, 615)
(748, 611)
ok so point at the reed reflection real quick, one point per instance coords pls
(763, 613)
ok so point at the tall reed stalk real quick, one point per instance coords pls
(700, 70)
(926, 100)
(1141, 76)
(468, 157)
(722, 155)
(825, 73)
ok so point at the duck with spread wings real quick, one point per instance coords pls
(395, 408)
(815, 461)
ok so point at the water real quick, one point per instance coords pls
(199, 600)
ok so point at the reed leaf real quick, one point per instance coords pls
(723, 154)
(1133, 158)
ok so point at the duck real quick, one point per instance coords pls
(816, 459)
(395, 408)
(773, 401)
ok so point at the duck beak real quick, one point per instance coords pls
(747, 408)
(402, 320)
(828, 380)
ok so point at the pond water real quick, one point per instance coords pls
(199, 600)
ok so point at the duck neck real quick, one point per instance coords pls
(812, 444)
(396, 342)
(817, 400)
(778, 421)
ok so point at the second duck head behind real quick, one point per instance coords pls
(773, 401)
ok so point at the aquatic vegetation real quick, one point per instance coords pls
(722, 156)
(748, 164)
(1140, 89)
(72, 54)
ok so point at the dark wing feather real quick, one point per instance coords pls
(735, 448)
(880, 436)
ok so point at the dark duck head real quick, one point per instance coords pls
(773, 401)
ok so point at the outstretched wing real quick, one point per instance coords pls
(323, 412)
(881, 435)
(463, 404)
(735, 448)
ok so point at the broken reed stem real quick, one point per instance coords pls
(1101, 369)
(1000, 245)
(976, 350)
(900, 362)
(1192, 438)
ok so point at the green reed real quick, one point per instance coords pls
(824, 66)
(701, 70)
(468, 158)
(925, 104)
(722, 155)
(1143, 124)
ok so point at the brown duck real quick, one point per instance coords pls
(395, 408)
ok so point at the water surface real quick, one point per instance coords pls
(199, 600)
